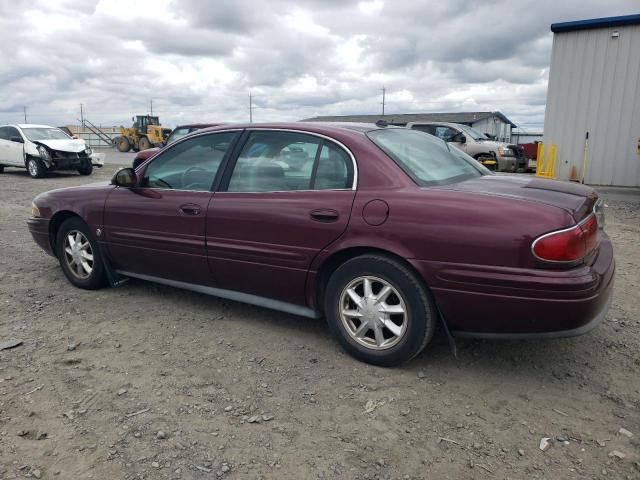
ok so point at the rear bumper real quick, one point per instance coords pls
(39, 229)
(493, 302)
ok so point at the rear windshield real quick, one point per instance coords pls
(425, 158)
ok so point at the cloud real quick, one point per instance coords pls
(198, 60)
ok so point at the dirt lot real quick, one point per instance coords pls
(145, 381)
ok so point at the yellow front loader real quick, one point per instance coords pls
(146, 132)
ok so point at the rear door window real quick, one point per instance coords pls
(278, 161)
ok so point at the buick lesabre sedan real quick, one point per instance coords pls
(384, 231)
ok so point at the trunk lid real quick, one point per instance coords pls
(579, 200)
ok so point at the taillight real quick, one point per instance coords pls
(569, 245)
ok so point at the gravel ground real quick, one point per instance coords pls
(146, 381)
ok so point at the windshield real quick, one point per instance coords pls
(46, 133)
(177, 134)
(426, 159)
(473, 133)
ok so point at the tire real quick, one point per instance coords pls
(143, 143)
(122, 144)
(36, 167)
(412, 330)
(85, 168)
(76, 273)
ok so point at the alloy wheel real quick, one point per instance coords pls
(33, 168)
(373, 312)
(78, 254)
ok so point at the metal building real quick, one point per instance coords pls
(493, 123)
(592, 115)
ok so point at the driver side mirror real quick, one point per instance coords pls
(17, 139)
(462, 138)
(125, 177)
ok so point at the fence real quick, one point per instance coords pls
(546, 161)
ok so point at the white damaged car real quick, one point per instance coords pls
(41, 148)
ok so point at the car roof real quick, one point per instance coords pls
(327, 128)
(446, 124)
(33, 125)
(199, 125)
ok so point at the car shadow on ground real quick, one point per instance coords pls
(489, 358)
(22, 172)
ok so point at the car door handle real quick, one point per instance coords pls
(324, 215)
(190, 209)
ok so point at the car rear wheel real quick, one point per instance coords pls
(86, 168)
(79, 255)
(36, 167)
(144, 143)
(379, 310)
(123, 144)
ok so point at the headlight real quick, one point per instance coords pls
(506, 152)
(35, 211)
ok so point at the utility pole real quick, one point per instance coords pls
(151, 107)
(25, 114)
(384, 91)
(250, 108)
(82, 116)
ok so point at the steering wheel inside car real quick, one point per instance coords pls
(196, 184)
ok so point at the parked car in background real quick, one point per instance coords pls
(531, 152)
(42, 148)
(498, 156)
(381, 230)
(176, 134)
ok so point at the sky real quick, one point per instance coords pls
(199, 60)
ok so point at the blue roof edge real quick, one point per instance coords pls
(595, 23)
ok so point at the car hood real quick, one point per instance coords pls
(144, 154)
(492, 143)
(574, 198)
(65, 145)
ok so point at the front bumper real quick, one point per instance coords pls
(500, 302)
(97, 160)
(39, 229)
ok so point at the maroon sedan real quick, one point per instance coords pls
(385, 231)
(176, 134)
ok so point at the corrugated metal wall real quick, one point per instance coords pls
(594, 86)
(498, 128)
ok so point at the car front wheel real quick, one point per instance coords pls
(379, 310)
(85, 168)
(78, 254)
(36, 167)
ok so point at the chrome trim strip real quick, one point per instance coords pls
(230, 295)
(593, 323)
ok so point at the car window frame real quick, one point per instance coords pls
(142, 168)
(223, 186)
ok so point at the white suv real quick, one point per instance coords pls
(499, 156)
(40, 148)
